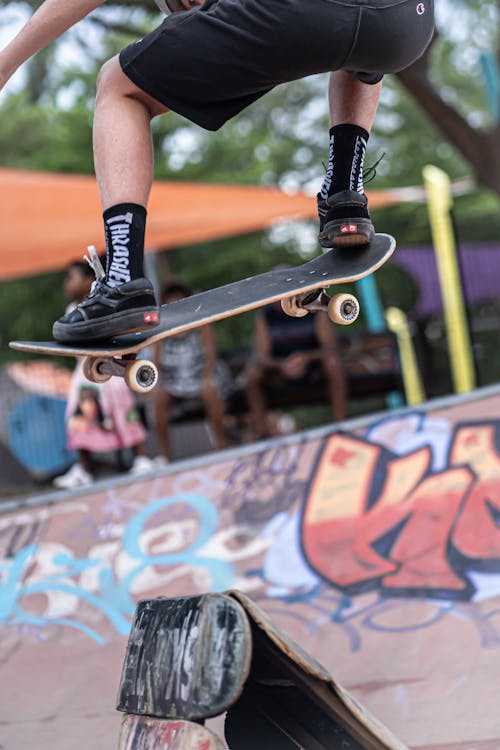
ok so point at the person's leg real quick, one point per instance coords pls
(214, 407)
(123, 157)
(141, 462)
(342, 205)
(162, 402)
(84, 460)
(352, 101)
(256, 401)
(123, 151)
(336, 386)
(139, 449)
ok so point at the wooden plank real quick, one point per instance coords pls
(280, 661)
(148, 733)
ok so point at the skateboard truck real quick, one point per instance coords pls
(342, 309)
(141, 375)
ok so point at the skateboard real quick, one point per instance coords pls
(187, 657)
(195, 657)
(300, 289)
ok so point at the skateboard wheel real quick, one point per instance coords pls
(141, 376)
(91, 370)
(343, 309)
(290, 307)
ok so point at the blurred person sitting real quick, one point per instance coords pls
(294, 351)
(100, 417)
(189, 368)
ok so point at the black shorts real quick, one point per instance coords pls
(211, 62)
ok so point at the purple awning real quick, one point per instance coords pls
(480, 266)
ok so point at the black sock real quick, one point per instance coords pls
(345, 160)
(124, 225)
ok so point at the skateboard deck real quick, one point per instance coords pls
(187, 657)
(301, 286)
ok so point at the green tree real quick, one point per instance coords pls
(447, 84)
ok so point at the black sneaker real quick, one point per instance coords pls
(344, 220)
(109, 311)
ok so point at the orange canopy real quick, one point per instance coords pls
(49, 219)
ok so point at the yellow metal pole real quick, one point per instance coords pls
(439, 203)
(397, 322)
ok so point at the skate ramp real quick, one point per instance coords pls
(376, 546)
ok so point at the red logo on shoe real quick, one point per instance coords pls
(348, 228)
(151, 317)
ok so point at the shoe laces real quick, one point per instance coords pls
(370, 172)
(93, 260)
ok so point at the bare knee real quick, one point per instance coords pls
(112, 82)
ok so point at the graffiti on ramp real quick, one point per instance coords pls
(410, 508)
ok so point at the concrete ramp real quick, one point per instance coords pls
(376, 546)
